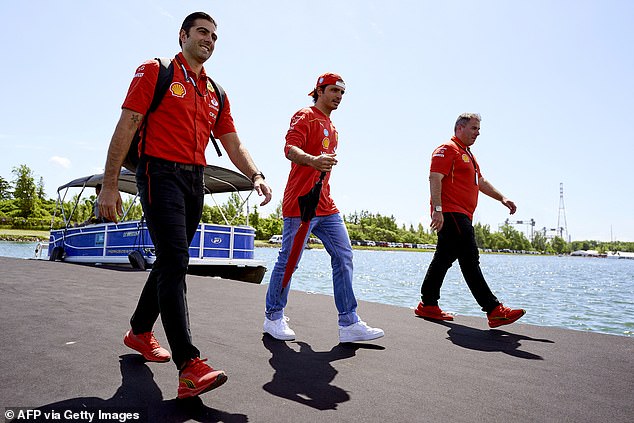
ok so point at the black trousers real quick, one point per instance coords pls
(456, 240)
(172, 200)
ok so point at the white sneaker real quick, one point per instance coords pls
(359, 331)
(279, 329)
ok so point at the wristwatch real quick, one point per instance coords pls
(438, 208)
(257, 174)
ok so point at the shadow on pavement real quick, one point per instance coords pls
(489, 340)
(139, 393)
(306, 376)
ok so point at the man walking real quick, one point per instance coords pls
(455, 181)
(311, 143)
(171, 188)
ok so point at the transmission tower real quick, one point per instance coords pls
(562, 215)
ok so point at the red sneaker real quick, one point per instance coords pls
(431, 312)
(504, 316)
(147, 345)
(197, 378)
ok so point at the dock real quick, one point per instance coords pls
(62, 325)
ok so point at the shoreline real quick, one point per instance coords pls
(41, 236)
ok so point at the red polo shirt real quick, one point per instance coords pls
(178, 130)
(313, 132)
(459, 187)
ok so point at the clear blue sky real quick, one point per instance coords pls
(553, 81)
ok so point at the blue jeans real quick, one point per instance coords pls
(331, 230)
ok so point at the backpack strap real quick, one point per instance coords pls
(165, 76)
(221, 103)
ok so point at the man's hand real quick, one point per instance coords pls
(511, 205)
(437, 220)
(324, 162)
(262, 188)
(109, 202)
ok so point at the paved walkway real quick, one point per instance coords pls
(61, 329)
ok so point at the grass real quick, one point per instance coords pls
(23, 234)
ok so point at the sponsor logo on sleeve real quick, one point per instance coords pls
(440, 152)
(295, 120)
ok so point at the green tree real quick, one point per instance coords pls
(559, 245)
(212, 215)
(539, 242)
(277, 214)
(25, 191)
(515, 240)
(254, 218)
(426, 237)
(40, 189)
(268, 226)
(135, 210)
(482, 235)
(498, 241)
(5, 189)
(233, 210)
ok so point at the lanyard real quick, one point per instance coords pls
(191, 80)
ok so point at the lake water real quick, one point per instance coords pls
(578, 293)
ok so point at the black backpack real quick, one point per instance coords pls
(165, 76)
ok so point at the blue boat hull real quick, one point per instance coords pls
(216, 250)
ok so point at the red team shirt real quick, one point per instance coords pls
(180, 126)
(313, 132)
(459, 186)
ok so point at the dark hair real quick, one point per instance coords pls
(315, 95)
(189, 22)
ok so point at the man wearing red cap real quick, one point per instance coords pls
(311, 142)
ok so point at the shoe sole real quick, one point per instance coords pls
(501, 322)
(282, 338)
(361, 338)
(150, 358)
(220, 380)
(446, 317)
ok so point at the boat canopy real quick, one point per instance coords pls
(217, 180)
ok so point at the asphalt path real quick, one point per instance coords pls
(61, 330)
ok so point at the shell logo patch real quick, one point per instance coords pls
(210, 87)
(465, 158)
(325, 142)
(178, 89)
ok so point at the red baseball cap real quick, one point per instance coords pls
(328, 79)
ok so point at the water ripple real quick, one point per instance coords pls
(577, 293)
